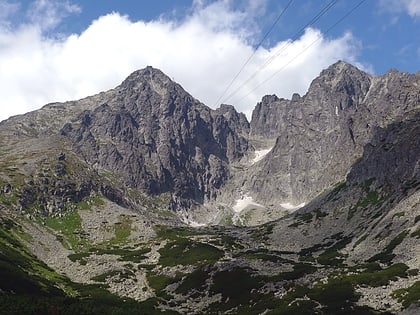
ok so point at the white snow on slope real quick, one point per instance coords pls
(259, 155)
(289, 206)
(245, 201)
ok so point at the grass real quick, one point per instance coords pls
(122, 230)
(70, 225)
(29, 287)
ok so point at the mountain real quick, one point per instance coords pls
(319, 136)
(141, 199)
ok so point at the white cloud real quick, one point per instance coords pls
(411, 7)
(202, 52)
(47, 14)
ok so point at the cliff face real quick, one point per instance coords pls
(154, 136)
(320, 135)
(85, 187)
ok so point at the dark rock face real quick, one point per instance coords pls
(160, 139)
(320, 135)
(392, 157)
(155, 138)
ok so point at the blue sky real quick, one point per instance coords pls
(57, 50)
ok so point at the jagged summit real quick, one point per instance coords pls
(149, 75)
(102, 190)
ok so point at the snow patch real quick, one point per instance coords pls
(289, 206)
(245, 201)
(259, 155)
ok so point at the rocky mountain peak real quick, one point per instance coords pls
(320, 135)
(149, 75)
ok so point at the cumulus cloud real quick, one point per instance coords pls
(202, 52)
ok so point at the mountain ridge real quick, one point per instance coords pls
(140, 192)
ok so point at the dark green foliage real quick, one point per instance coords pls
(196, 280)
(105, 304)
(331, 256)
(237, 286)
(174, 233)
(159, 282)
(409, 296)
(122, 274)
(334, 194)
(386, 255)
(234, 284)
(299, 270)
(188, 252)
(375, 278)
(80, 257)
(127, 254)
(335, 295)
(263, 254)
(302, 219)
(371, 198)
(416, 233)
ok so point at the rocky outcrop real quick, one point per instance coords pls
(152, 135)
(320, 135)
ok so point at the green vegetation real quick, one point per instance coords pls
(399, 214)
(331, 256)
(408, 296)
(361, 239)
(371, 198)
(299, 270)
(187, 252)
(30, 287)
(194, 281)
(302, 219)
(334, 194)
(416, 233)
(70, 226)
(122, 230)
(174, 233)
(80, 257)
(386, 255)
(122, 274)
(376, 278)
(262, 254)
(126, 254)
(237, 286)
